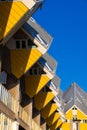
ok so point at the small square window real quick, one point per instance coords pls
(30, 71)
(23, 44)
(3, 77)
(17, 44)
(35, 71)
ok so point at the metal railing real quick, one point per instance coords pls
(5, 123)
(7, 98)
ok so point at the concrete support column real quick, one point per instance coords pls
(36, 118)
(28, 106)
(43, 124)
(14, 89)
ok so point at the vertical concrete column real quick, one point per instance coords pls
(28, 106)
(14, 89)
(43, 124)
(36, 118)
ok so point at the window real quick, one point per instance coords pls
(23, 44)
(3, 77)
(35, 71)
(17, 44)
(3, 0)
(74, 110)
(5, 121)
(84, 121)
(30, 71)
(30, 44)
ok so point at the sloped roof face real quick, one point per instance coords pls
(81, 99)
(49, 62)
(68, 96)
(33, 28)
(59, 97)
(75, 96)
(56, 81)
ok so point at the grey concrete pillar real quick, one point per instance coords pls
(29, 108)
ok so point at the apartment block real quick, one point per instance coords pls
(30, 94)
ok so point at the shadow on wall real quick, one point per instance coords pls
(4, 16)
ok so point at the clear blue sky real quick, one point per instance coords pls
(66, 21)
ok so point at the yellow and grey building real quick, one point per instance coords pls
(75, 108)
(30, 94)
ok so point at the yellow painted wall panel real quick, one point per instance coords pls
(48, 110)
(22, 60)
(69, 114)
(65, 126)
(53, 118)
(34, 83)
(12, 13)
(42, 99)
(14, 7)
(81, 115)
(57, 124)
(83, 126)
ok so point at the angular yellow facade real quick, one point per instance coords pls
(53, 118)
(34, 83)
(66, 126)
(81, 115)
(83, 126)
(71, 122)
(42, 99)
(48, 110)
(30, 97)
(11, 15)
(22, 60)
(57, 124)
(69, 114)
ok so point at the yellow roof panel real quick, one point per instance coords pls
(42, 99)
(48, 110)
(53, 118)
(22, 60)
(34, 83)
(56, 125)
(10, 15)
